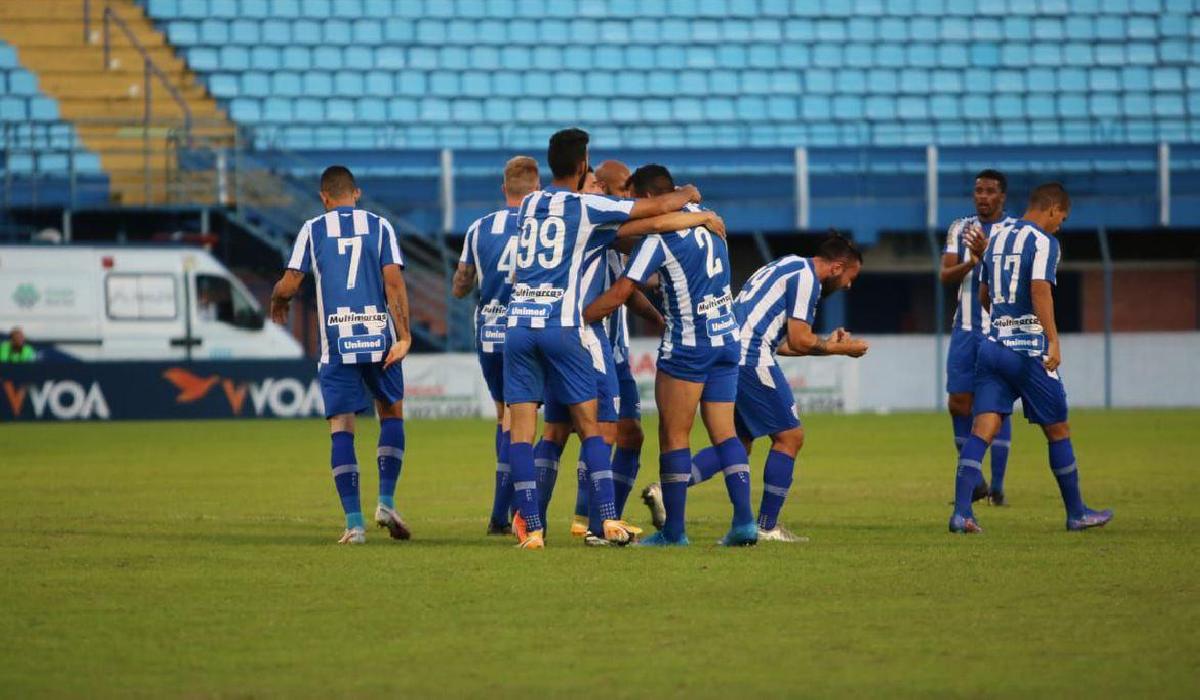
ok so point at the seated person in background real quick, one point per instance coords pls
(15, 349)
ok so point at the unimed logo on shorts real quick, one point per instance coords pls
(285, 397)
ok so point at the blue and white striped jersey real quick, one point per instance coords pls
(602, 268)
(694, 269)
(783, 289)
(491, 246)
(346, 250)
(1017, 255)
(969, 314)
(558, 229)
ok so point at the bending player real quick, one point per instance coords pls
(775, 310)
(489, 249)
(965, 243)
(363, 308)
(697, 359)
(1021, 356)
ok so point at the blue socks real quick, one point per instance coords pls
(962, 430)
(583, 487)
(525, 496)
(596, 455)
(625, 470)
(777, 479)
(502, 498)
(345, 476)
(1066, 473)
(705, 465)
(390, 458)
(969, 474)
(1000, 448)
(674, 471)
(545, 464)
(735, 465)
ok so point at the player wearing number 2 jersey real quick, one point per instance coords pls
(488, 253)
(546, 346)
(1021, 355)
(362, 310)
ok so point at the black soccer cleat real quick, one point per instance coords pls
(981, 492)
(997, 498)
(496, 529)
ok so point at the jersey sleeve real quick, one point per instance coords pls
(468, 251)
(803, 293)
(1046, 255)
(390, 255)
(954, 237)
(301, 259)
(646, 258)
(606, 211)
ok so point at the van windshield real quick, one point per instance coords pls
(218, 300)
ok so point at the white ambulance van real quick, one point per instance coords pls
(134, 303)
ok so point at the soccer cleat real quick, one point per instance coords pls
(389, 518)
(652, 497)
(658, 539)
(1090, 518)
(997, 498)
(964, 525)
(981, 492)
(353, 535)
(779, 534)
(532, 540)
(579, 526)
(593, 540)
(620, 532)
(518, 527)
(495, 528)
(740, 536)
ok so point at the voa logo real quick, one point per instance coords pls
(63, 400)
(286, 398)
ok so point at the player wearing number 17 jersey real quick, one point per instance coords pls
(489, 249)
(1021, 355)
(362, 309)
(546, 347)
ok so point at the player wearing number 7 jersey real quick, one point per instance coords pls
(362, 309)
(546, 346)
(1021, 355)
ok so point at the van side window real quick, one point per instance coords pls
(139, 297)
(218, 300)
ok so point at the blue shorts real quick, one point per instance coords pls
(1002, 376)
(492, 364)
(715, 368)
(765, 404)
(344, 387)
(607, 387)
(552, 361)
(631, 395)
(960, 361)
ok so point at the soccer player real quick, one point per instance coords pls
(489, 250)
(775, 311)
(362, 305)
(547, 348)
(965, 242)
(1021, 356)
(697, 359)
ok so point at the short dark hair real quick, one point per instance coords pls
(990, 174)
(1050, 194)
(338, 181)
(651, 180)
(568, 148)
(837, 247)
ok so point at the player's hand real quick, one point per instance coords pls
(397, 352)
(856, 348)
(976, 241)
(840, 335)
(692, 192)
(279, 310)
(715, 224)
(1053, 357)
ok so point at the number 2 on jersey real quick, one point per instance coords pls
(354, 243)
(713, 264)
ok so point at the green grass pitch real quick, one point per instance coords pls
(198, 559)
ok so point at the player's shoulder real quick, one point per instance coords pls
(961, 223)
(793, 263)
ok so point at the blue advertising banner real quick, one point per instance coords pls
(160, 390)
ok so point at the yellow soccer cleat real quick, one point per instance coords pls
(579, 526)
(533, 540)
(519, 527)
(620, 532)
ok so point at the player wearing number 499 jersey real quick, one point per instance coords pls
(546, 347)
(1021, 356)
(489, 249)
(362, 307)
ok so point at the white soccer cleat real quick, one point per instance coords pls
(779, 534)
(652, 497)
(389, 518)
(353, 535)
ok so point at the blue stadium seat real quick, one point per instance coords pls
(693, 82)
(1072, 106)
(348, 83)
(818, 81)
(307, 32)
(402, 109)
(878, 108)
(687, 109)
(223, 85)
(561, 111)
(914, 81)
(815, 107)
(296, 58)
(859, 55)
(372, 109)
(277, 109)
(43, 109)
(468, 111)
(253, 9)
(232, 58)
(782, 108)
(719, 109)
(444, 83)
(320, 9)
(8, 56)
(944, 107)
(358, 57)
(1168, 105)
(22, 82)
(531, 109)
(1104, 80)
(848, 107)
(754, 82)
(1008, 81)
(255, 84)
(340, 110)
(570, 84)
(182, 33)
(347, 8)
(317, 83)
(265, 58)
(285, 8)
(245, 109)
(1136, 104)
(163, 9)
(1103, 105)
(749, 108)
(286, 84)
(243, 31)
(276, 32)
(379, 82)
(214, 32)
(203, 59)
(391, 57)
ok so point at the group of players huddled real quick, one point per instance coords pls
(559, 268)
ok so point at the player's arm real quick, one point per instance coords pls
(803, 342)
(673, 221)
(665, 203)
(610, 300)
(1043, 307)
(985, 297)
(952, 271)
(281, 295)
(464, 280)
(397, 301)
(643, 308)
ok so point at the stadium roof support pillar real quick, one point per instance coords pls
(931, 186)
(447, 161)
(1164, 184)
(802, 203)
